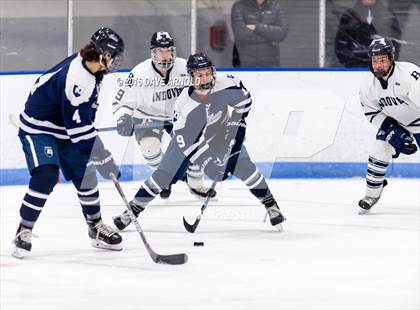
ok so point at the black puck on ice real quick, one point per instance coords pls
(198, 243)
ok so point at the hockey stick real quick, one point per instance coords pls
(174, 259)
(14, 121)
(149, 125)
(191, 228)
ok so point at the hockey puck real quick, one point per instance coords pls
(198, 243)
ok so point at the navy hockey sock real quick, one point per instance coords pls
(41, 184)
(152, 187)
(88, 194)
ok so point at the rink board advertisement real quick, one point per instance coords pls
(303, 124)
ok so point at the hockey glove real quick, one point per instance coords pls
(397, 136)
(105, 164)
(125, 125)
(236, 130)
(215, 170)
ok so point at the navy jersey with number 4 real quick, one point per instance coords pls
(63, 103)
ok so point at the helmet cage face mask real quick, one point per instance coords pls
(163, 64)
(207, 87)
(111, 63)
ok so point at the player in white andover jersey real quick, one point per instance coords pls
(147, 101)
(208, 117)
(390, 98)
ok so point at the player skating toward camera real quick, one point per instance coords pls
(57, 132)
(203, 130)
(148, 97)
(390, 98)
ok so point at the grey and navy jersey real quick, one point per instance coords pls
(197, 123)
(398, 98)
(63, 103)
(147, 94)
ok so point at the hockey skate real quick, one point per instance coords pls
(273, 212)
(22, 243)
(123, 220)
(198, 189)
(202, 192)
(104, 237)
(368, 202)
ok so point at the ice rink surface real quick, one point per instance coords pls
(327, 257)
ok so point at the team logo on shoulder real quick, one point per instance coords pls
(48, 151)
(77, 90)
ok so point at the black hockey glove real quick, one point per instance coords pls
(125, 125)
(236, 130)
(397, 136)
(215, 170)
(105, 164)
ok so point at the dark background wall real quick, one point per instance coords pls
(33, 34)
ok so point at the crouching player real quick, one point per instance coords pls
(204, 126)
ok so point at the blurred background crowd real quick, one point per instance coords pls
(235, 33)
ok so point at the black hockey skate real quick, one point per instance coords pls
(22, 243)
(104, 237)
(165, 193)
(273, 211)
(368, 202)
(123, 220)
(203, 192)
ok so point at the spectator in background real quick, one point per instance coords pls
(258, 26)
(367, 20)
(402, 9)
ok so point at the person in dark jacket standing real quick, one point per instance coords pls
(258, 26)
(367, 20)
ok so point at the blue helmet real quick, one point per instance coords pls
(109, 44)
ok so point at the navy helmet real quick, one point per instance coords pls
(381, 46)
(162, 39)
(198, 61)
(110, 45)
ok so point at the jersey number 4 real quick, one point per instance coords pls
(76, 117)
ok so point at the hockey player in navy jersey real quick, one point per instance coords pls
(57, 132)
(148, 98)
(390, 98)
(204, 128)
